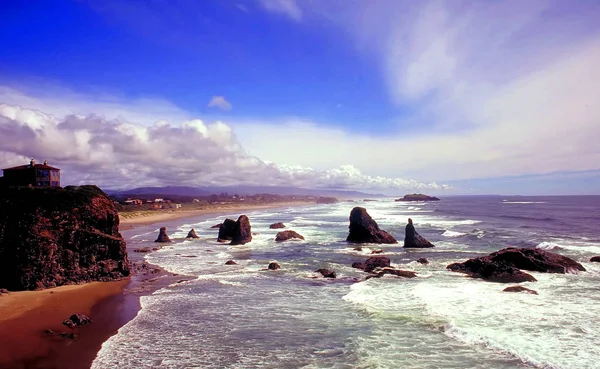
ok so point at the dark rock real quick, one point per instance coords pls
(327, 200)
(534, 259)
(491, 271)
(230, 262)
(422, 261)
(277, 225)
(217, 225)
(77, 320)
(3, 290)
(57, 236)
(376, 262)
(287, 235)
(242, 232)
(519, 289)
(358, 248)
(163, 237)
(143, 250)
(189, 256)
(377, 252)
(70, 336)
(414, 240)
(595, 259)
(192, 234)
(274, 266)
(226, 230)
(418, 197)
(358, 265)
(399, 273)
(363, 229)
(326, 273)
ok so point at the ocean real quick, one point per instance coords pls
(242, 316)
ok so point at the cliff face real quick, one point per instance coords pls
(57, 236)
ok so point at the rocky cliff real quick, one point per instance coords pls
(57, 236)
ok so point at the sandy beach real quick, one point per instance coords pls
(129, 220)
(26, 315)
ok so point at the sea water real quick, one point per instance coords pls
(243, 316)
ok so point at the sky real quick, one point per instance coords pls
(390, 96)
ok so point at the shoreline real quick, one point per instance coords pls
(25, 315)
(130, 220)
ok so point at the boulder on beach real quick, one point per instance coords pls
(595, 259)
(277, 225)
(226, 230)
(288, 235)
(422, 261)
(414, 240)
(192, 234)
(163, 237)
(273, 266)
(371, 263)
(326, 273)
(363, 229)
(519, 289)
(242, 232)
(77, 320)
(505, 265)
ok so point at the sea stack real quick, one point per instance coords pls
(287, 235)
(414, 240)
(192, 234)
(163, 237)
(58, 236)
(226, 230)
(363, 229)
(242, 232)
(277, 225)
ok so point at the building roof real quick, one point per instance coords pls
(37, 166)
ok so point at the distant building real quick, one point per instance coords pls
(36, 175)
(133, 202)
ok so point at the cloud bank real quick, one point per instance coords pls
(219, 102)
(121, 154)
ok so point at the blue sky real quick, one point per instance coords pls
(394, 96)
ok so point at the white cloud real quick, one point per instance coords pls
(288, 8)
(122, 154)
(219, 102)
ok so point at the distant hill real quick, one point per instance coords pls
(240, 190)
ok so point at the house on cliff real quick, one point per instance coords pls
(36, 175)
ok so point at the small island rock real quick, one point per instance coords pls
(277, 225)
(273, 266)
(418, 197)
(242, 232)
(326, 273)
(595, 259)
(519, 289)
(230, 262)
(422, 261)
(226, 230)
(363, 229)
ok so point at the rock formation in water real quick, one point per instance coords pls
(226, 230)
(277, 225)
(192, 234)
(414, 240)
(273, 266)
(57, 236)
(371, 263)
(326, 273)
(242, 232)
(505, 265)
(230, 262)
(217, 225)
(418, 197)
(163, 237)
(595, 259)
(519, 289)
(392, 271)
(422, 261)
(363, 229)
(77, 320)
(287, 235)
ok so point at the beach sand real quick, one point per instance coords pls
(25, 315)
(129, 220)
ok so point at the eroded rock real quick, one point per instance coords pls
(288, 235)
(363, 229)
(163, 237)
